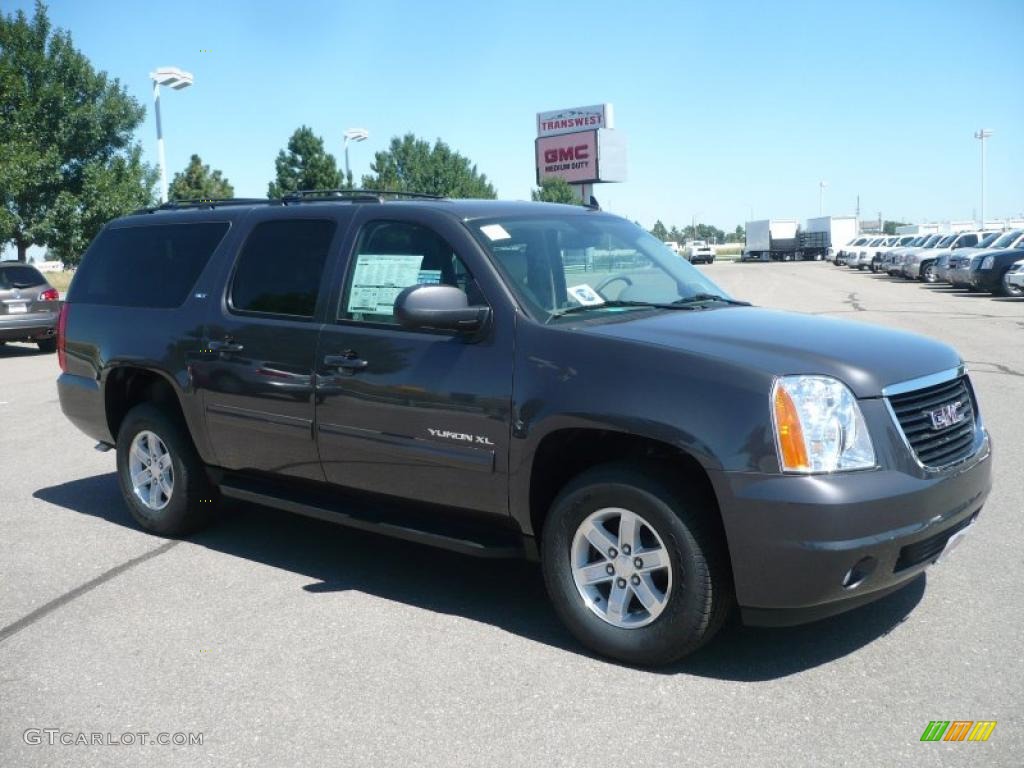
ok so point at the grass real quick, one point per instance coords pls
(59, 280)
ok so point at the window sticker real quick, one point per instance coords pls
(585, 295)
(379, 278)
(429, 277)
(495, 232)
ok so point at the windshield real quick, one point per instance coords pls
(987, 240)
(1006, 240)
(22, 276)
(590, 263)
(932, 241)
(948, 240)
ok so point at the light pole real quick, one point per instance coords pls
(177, 80)
(353, 134)
(821, 196)
(981, 135)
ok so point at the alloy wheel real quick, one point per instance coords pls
(151, 470)
(621, 568)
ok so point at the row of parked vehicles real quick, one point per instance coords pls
(978, 261)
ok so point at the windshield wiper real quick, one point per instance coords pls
(701, 297)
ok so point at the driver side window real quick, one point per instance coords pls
(389, 257)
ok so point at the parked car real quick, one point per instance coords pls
(888, 263)
(989, 268)
(920, 265)
(461, 375)
(882, 253)
(850, 249)
(895, 269)
(1014, 279)
(864, 254)
(700, 252)
(28, 306)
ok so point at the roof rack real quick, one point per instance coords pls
(205, 202)
(299, 196)
(355, 195)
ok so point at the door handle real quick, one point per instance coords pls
(225, 346)
(349, 361)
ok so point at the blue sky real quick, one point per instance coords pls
(729, 107)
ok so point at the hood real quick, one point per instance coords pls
(865, 357)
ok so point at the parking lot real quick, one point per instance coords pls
(287, 641)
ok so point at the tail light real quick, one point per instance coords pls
(50, 294)
(62, 325)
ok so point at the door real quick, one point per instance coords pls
(415, 414)
(256, 372)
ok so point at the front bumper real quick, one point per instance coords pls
(794, 540)
(986, 279)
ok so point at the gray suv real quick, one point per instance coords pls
(521, 380)
(28, 306)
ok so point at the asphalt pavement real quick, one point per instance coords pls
(285, 641)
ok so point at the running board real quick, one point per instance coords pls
(357, 514)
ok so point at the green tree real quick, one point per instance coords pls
(68, 159)
(197, 182)
(889, 227)
(659, 231)
(412, 165)
(738, 235)
(306, 165)
(555, 190)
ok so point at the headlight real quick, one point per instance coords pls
(819, 426)
(987, 262)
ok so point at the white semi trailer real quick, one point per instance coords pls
(771, 239)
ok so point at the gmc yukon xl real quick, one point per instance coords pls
(521, 379)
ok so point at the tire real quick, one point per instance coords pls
(188, 506)
(928, 274)
(1007, 289)
(47, 346)
(684, 526)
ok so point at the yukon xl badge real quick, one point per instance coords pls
(449, 435)
(947, 415)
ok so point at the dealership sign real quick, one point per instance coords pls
(559, 121)
(582, 158)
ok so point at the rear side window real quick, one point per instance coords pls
(280, 267)
(151, 266)
(20, 276)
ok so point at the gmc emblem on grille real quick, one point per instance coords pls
(947, 415)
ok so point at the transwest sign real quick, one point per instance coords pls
(574, 119)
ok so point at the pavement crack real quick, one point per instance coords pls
(854, 301)
(999, 368)
(67, 597)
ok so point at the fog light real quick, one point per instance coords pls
(860, 571)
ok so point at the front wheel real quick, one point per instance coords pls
(162, 478)
(1006, 288)
(929, 274)
(636, 570)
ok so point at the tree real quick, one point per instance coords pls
(738, 235)
(412, 165)
(555, 190)
(68, 159)
(889, 227)
(306, 165)
(196, 182)
(659, 231)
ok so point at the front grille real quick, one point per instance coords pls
(928, 549)
(936, 447)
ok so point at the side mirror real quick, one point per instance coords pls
(439, 308)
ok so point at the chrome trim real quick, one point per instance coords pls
(922, 382)
(930, 381)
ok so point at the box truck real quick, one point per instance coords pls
(824, 235)
(771, 239)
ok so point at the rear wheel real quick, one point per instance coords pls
(162, 479)
(49, 346)
(636, 570)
